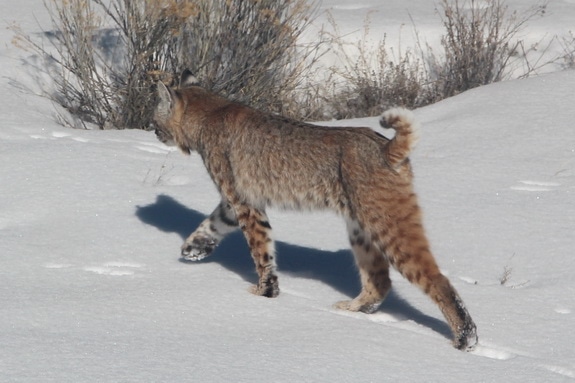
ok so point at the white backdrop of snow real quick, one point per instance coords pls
(92, 289)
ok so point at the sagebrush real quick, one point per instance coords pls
(370, 78)
(105, 56)
(481, 45)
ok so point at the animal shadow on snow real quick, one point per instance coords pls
(335, 269)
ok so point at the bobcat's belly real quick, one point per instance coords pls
(292, 192)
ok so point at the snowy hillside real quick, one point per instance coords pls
(92, 288)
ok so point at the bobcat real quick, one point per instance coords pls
(258, 159)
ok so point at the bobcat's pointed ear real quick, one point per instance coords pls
(166, 94)
(166, 101)
(188, 79)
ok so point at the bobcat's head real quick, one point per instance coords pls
(165, 114)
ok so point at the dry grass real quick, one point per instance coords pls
(568, 45)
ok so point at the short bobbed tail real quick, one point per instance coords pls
(406, 128)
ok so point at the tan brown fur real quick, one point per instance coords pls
(258, 160)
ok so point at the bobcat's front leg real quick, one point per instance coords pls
(257, 230)
(211, 231)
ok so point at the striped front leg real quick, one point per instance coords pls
(209, 234)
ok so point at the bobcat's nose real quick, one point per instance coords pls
(160, 134)
(164, 137)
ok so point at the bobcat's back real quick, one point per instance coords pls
(278, 161)
(272, 160)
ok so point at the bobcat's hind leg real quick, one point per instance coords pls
(209, 234)
(257, 230)
(408, 250)
(373, 269)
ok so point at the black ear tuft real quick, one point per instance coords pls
(188, 79)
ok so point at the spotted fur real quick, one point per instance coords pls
(258, 160)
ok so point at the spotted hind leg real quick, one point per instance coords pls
(257, 230)
(405, 244)
(373, 269)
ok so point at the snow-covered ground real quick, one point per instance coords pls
(92, 289)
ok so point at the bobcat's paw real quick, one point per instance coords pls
(267, 287)
(467, 339)
(354, 305)
(198, 248)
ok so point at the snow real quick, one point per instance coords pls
(92, 288)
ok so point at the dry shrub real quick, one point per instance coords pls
(105, 56)
(372, 77)
(480, 45)
(376, 82)
(568, 45)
